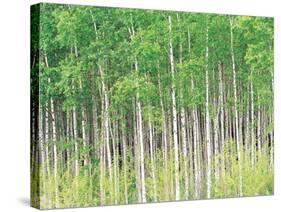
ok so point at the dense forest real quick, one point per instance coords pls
(135, 106)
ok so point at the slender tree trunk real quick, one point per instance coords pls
(102, 175)
(76, 151)
(164, 137)
(216, 165)
(208, 137)
(54, 130)
(174, 109)
(170, 157)
(115, 172)
(75, 132)
(137, 152)
(140, 125)
(43, 191)
(49, 204)
(68, 137)
(47, 138)
(183, 121)
(253, 140)
(271, 119)
(102, 155)
(106, 128)
(195, 149)
(259, 128)
(54, 137)
(84, 137)
(222, 120)
(152, 162)
(184, 149)
(124, 146)
(95, 123)
(75, 135)
(83, 124)
(115, 148)
(247, 130)
(238, 142)
(191, 150)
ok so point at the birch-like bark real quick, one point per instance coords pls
(238, 142)
(184, 151)
(95, 123)
(259, 128)
(183, 121)
(152, 161)
(106, 126)
(124, 147)
(105, 114)
(137, 152)
(43, 190)
(84, 137)
(247, 120)
(216, 165)
(174, 112)
(54, 137)
(253, 140)
(221, 106)
(208, 137)
(271, 119)
(164, 137)
(54, 132)
(75, 135)
(139, 122)
(47, 138)
(102, 155)
(115, 172)
(195, 148)
(141, 146)
(68, 137)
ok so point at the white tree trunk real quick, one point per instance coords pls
(259, 128)
(115, 172)
(208, 137)
(106, 125)
(216, 109)
(102, 156)
(152, 162)
(164, 137)
(184, 150)
(124, 146)
(139, 124)
(253, 140)
(221, 106)
(183, 121)
(95, 122)
(139, 114)
(137, 152)
(75, 135)
(83, 124)
(54, 140)
(47, 149)
(43, 191)
(195, 150)
(238, 142)
(174, 111)
(55, 152)
(141, 146)
(68, 137)
(47, 139)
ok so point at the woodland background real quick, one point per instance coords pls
(141, 106)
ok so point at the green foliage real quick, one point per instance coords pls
(102, 73)
(82, 190)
